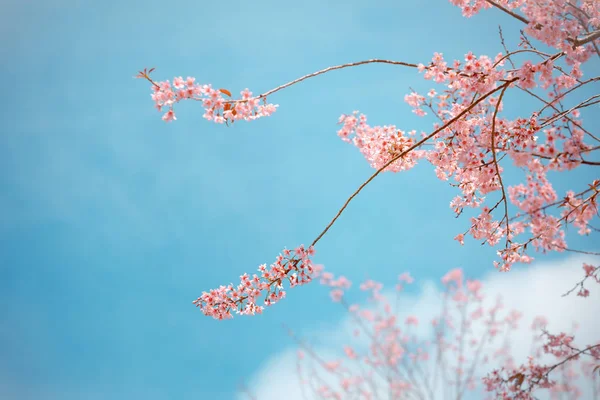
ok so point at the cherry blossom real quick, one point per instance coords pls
(393, 362)
(472, 142)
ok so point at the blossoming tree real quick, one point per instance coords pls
(395, 358)
(471, 144)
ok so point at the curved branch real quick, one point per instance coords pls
(590, 37)
(353, 64)
(558, 111)
(581, 282)
(419, 143)
(583, 104)
(506, 10)
(498, 167)
(594, 79)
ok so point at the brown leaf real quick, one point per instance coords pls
(225, 91)
(518, 378)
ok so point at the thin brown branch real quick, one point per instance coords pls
(559, 111)
(323, 71)
(419, 143)
(506, 10)
(583, 104)
(498, 167)
(584, 162)
(504, 46)
(590, 37)
(581, 282)
(594, 79)
(572, 356)
(592, 253)
(561, 201)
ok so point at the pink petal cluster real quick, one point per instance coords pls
(380, 144)
(580, 212)
(338, 285)
(294, 266)
(467, 336)
(469, 151)
(550, 22)
(522, 382)
(216, 107)
(591, 272)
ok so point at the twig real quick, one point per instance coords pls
(419, 143)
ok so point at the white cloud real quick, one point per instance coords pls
(533, 291)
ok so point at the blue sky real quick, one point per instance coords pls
(112, 221)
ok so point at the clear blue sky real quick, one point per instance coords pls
(112, 222)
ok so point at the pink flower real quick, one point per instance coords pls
(332, 365)
(405, 277)
(178, 82)
(455, 275)
(589, 269)
(295, 267)
(336, 295)
(474, 286)
(169, 116)
(460, 238)
(350, 352)
(419, 112)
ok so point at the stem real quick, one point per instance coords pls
(419, 143)
(353, 64)
(498, 167)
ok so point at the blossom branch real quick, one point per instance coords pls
(411, 148)
(493, 133)
(328, 69)
(590, 272)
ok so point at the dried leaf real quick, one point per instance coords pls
(225, 91)
(518, 378)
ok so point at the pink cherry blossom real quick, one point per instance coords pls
(455, 355)
(471, 145)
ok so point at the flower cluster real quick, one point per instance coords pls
(295, 266)
(338, 285)
(580, 211)
(396, 360)
(472, 140)
(380, 144)
(217, 108)
(556, 23)
(469, 150)
(591, 272)
(523, 381)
